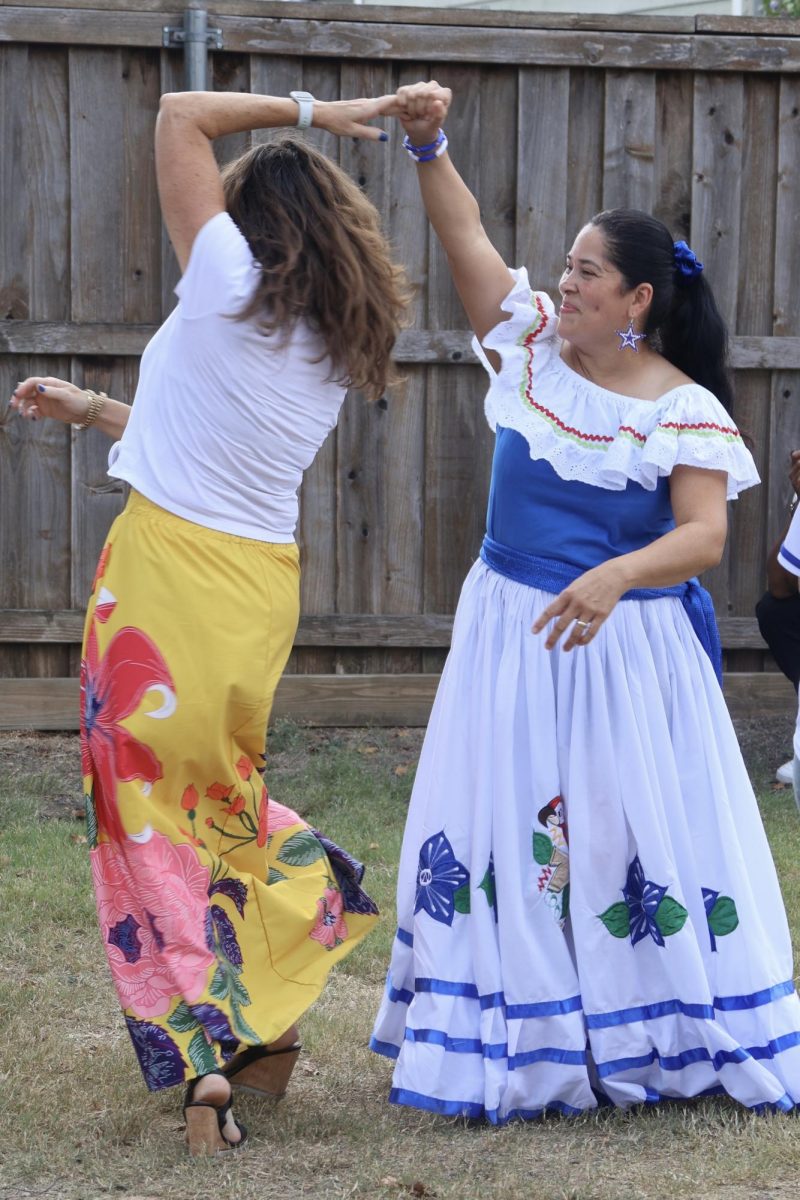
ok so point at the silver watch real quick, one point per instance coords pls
(305, 103)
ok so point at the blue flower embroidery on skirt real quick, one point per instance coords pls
(439, 877)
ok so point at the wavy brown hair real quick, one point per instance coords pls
(318, 241)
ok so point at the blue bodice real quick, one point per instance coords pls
(532, 509)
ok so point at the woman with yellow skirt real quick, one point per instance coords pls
(221, 911)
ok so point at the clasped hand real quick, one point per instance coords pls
(420, 107)
(584, 605)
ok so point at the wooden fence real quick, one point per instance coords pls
(696, 119)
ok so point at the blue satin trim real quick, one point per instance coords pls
(552, 575)
(620, 1016)
(699, 1054)
(467, 1108)
(387, 1049)
(702, 1012)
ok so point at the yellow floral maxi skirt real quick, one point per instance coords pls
(221, 912)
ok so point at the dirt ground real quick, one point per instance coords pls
(766, 743)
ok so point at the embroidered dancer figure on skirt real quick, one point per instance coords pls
(583, 682)
(221, 911)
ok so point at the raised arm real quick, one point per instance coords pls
(481, 277)
(189, 183)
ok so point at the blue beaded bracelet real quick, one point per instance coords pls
(423, 154)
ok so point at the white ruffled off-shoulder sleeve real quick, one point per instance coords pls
(687, 427)
(531, 315)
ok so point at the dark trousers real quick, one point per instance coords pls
(779, 622)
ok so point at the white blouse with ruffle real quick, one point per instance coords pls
(588, 433)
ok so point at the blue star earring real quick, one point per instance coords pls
(629, 337)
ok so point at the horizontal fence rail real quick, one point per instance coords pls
(412, 346)
(356, 629)
(331, 700)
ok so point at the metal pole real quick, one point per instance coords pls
(195, 49)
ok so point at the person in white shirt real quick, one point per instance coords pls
(778, 610)
(783, 572)
(221, 911)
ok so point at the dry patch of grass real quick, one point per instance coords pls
(77, 1124)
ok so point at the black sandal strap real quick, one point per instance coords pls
(254, 1054)
(189, 1100)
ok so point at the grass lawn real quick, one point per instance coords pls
(77, 1123)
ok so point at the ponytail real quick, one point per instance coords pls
(695, 339)
(684, 322)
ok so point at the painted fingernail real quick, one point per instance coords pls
(384, 136)
(40, 387)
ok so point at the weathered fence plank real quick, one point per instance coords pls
(629, 150)
(371, 13)
(557, 47)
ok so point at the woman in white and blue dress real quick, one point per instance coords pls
(588, 911)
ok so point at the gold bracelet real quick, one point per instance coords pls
(96, 402)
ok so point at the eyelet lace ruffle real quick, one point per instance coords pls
(588, 433)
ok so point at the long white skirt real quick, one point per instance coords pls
(588, 909)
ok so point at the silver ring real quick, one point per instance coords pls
(584, 624)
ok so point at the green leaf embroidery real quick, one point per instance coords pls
(275, 876)
(723, 917)
(565, 902)
(542, 848)
(239, 993)
(461, 899)
(219, 984)
(486, 885)
(617, 920)
(182, 1021)
(91, 821)
(670, 916)
(243, 1031)
(301, 849)
(201, 1056)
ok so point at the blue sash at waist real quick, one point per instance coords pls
(552, 575)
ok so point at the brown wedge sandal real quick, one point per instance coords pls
(205, 1124)
(263, 1072)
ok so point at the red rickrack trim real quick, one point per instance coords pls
(726, 429)
(680, 426)
(527, 342)
(640, 437)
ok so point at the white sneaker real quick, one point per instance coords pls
(785, 774)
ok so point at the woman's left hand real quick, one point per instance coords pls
(347, 118)
(584, 605)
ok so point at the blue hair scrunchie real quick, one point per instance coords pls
(687, 263)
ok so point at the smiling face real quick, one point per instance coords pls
(594, 299)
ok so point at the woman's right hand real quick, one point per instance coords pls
(424, 107)
(45, 396)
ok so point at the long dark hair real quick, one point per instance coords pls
(323, 257)
(684, 322)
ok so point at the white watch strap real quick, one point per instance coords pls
(305, 105)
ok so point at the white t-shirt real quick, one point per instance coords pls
(225, 419)
(789, 558)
